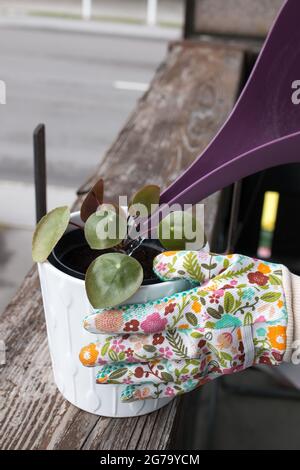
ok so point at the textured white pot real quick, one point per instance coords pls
(65, 306)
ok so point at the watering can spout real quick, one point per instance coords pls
(263, 130)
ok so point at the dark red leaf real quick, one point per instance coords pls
(92, 201)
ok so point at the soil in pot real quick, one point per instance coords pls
(73, 256)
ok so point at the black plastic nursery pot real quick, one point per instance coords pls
(72, 255)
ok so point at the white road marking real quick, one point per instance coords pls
(130, 86)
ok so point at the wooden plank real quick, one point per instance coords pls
(189, 98)
(251, 18)
(187, 103)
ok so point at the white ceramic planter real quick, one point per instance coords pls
(65, 305)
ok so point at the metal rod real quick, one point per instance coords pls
(40, 176)
(235, 205)
(189, 28)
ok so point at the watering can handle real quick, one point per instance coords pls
(263, 129)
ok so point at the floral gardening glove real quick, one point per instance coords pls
(235, 316)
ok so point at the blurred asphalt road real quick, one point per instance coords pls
(83, 87)
(71, 82)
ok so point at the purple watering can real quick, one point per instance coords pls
(263, 130)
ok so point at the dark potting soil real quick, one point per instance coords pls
(73, 253)
(79, 258)
(145, 255)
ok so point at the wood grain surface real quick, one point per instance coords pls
(189, 98)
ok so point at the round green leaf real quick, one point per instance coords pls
(180, 228)
(146, 196)
(105, 228)
(48, 232)
(111, 279)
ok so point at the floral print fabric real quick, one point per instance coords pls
(233, 316)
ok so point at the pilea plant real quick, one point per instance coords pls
(115, 275)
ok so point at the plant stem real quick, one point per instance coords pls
(76, 225)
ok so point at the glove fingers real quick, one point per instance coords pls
(224, 346)
(170, 344)
(150, 317)
(153, 317)
(196, 266)
(156, 372)
(142, 392)
(225, 357)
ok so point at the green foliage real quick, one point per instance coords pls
(191, 318)
(214, 313)
(228, 302)
(113, 356)
(114, 277)
(149, 348)
(179, 228)
(210, 325)
(147, 196)
(104, 348)
(234, 274)
(177, 344)
(196, 335)
(274, 280)
(111, 279)
(226, 356)
(271, 296)
(166, 377)
(117, 374)
(248, 319)
(105, 228)
(48, 232)
(209, 267)
(226, 263)
(193, 268)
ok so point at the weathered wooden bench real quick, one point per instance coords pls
(188, 100)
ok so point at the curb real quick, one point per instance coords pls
(92, 27)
